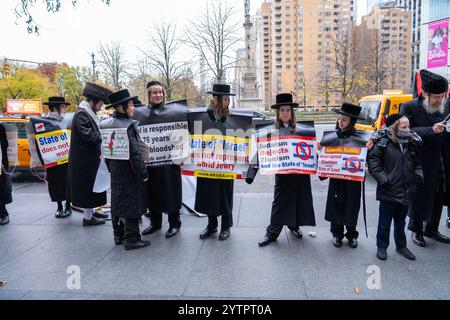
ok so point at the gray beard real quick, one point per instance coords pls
(429, 110)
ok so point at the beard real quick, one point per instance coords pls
(432, 110)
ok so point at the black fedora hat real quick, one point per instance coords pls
(119, 97)
(93, 90)
(349, 110)
(433, 83)
(221, 90)
(284, 99)
(137, 102)
(56, 101)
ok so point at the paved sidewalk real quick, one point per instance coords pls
(36, 250)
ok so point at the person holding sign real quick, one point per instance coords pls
(164, 183)
(344, 196)
(57, 175)
(214, 197)
(293, 203)
(120, 148)
(5, 179)
(395, 165)
(427, 119)
(85, 153)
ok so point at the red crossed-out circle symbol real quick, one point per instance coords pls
(353, 164)
(305, 149)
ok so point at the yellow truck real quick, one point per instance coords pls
(377, 108)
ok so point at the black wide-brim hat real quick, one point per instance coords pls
(349, 110)
(221, 90)
(119, 97)
(93, 90)
(137, 102)
(284, 99)
(433, 83)
(56, 101)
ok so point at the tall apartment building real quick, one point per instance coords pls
(384, 38)
(297, 46)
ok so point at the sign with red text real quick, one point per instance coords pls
(342, 162)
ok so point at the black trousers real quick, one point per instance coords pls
(432, 227)
(227, 221)
(174, 219)
(273, 230)
(338, 231)
(127, 228)
(3, 212)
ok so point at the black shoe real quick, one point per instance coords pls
(418, 239)
(4, 220)
(381, 254)
(93, 222)
(353, 243)
(99, 215)
(205, 234)
(297, 233)
(437, 236)
(59, 213)
(66, 213)
(337, 242)
(150, 230)
(172, 232)
(136, 245)
(406, 253)
(224, 234)
(119, 240)
(265, 241)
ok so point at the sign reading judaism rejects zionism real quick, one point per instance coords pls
(343, 158)
(287, 151)
(52, 139)
(218, 150)
(164, 130)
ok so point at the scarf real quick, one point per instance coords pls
(87, 107)
(54, 115)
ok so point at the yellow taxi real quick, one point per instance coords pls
(375, 109)
(22, 142)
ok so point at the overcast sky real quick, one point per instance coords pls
(72, 34)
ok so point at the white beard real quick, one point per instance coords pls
(430, 110)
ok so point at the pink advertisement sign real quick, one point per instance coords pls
(437, 53)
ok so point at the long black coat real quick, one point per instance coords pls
(84, 160)
(397, 172)
(127, 187)
(214, 197)
(344, 198)
(422, 122)
(5, 179)
(293, 202)
(164, 191)
(57, 182)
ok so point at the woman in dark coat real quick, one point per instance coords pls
(344, 197)
(293, 203)
(57, 175)
(164, 183)
(5, 179)
(127, 176)
(85, 153)
(214, 197)
(395, 164)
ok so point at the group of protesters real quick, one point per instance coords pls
(409, 158)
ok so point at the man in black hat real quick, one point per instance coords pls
(214, 197)
(57, 175)
(127, 175)
(426, 117)
(85, 154)
(164, 193)
(344, 196)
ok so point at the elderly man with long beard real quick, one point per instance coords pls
(426, 116)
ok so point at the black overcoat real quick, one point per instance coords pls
(5, 179)
(422, 123)
(84, 160)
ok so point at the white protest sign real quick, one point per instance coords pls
(115, 144)
(347, 163)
